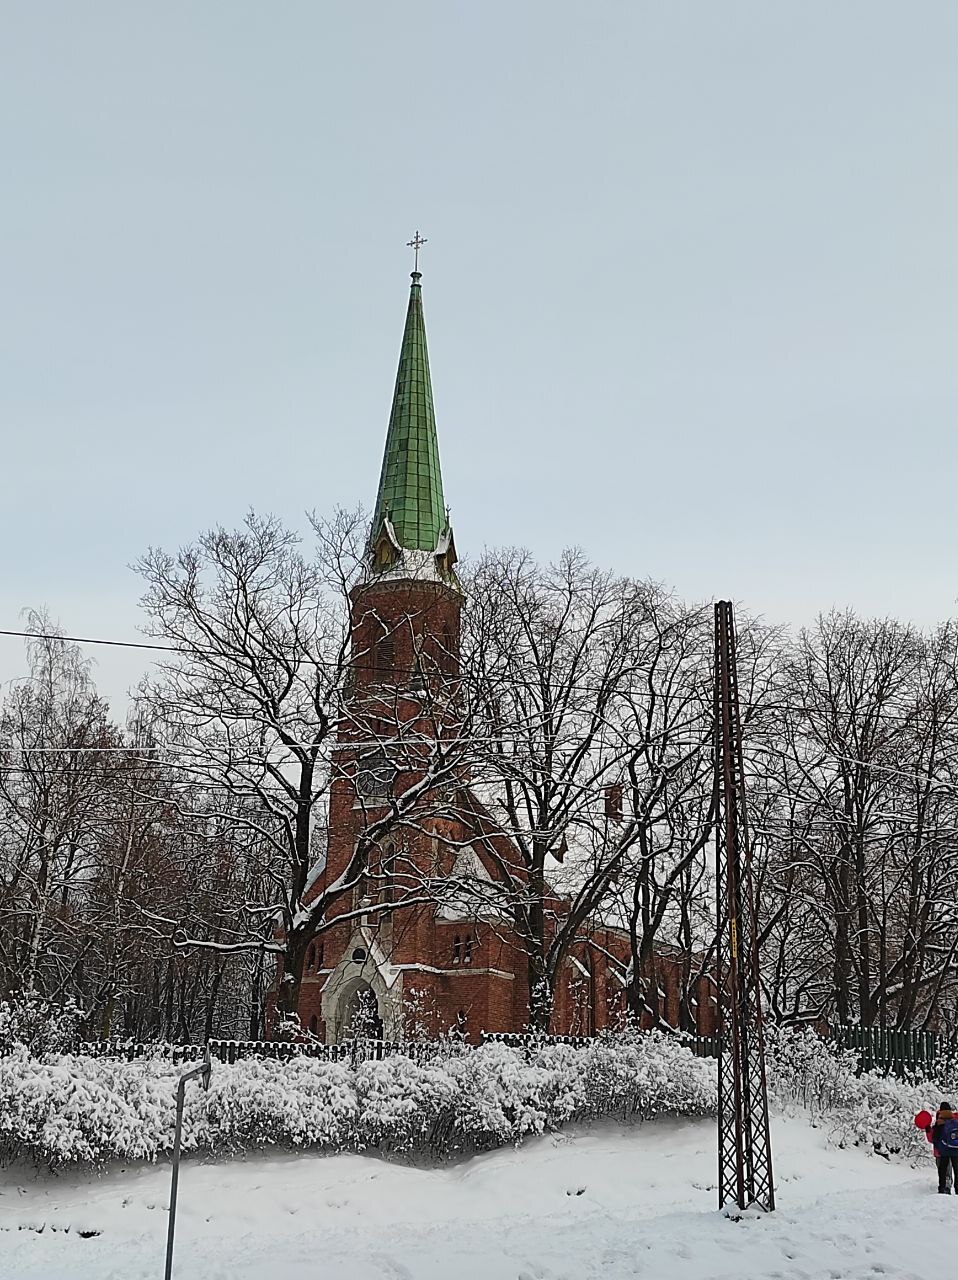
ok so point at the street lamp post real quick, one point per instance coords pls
(203, 1072)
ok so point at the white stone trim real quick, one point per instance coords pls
(460, 968)
(374, 971)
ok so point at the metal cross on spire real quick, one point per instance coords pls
(416, 243)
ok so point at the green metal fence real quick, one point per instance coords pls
(884, 1049)
(878, 1048)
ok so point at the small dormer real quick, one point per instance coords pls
(445, 553)
(384, 549)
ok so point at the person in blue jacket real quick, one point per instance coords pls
(943, 1135)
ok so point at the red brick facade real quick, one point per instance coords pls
(426, 969)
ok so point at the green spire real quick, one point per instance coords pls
(410, 485)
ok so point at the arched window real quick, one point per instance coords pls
(417, 680)
(314, 1024)
(457, 950)
(311, 957)
(385, 661)
(448, 647)
(467, 950)
(387, 889)
(362, 1019)
(319, 956)
(585, 1014)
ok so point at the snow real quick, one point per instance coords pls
(604, 1201)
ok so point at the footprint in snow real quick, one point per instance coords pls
(391, 1268)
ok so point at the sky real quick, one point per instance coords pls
(691, 287)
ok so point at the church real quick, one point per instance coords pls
(397, 965)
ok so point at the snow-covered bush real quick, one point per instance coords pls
(39, 1025)
(70, 1108)
(806, 1068)
(504, 1095)
(259, 1103)
(402, 1103)
(63, 1108)
(648, 1073)
(861, 1109)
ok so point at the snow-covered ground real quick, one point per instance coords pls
(603, 1202)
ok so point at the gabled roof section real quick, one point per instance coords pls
(471, 892)
(410, 494)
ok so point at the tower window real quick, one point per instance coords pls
(449, 653)
(388, 890)
(313, 1024)
(311, 957)
(468, 947)
(457, 950)
(385, 662)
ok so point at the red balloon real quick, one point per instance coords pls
(923, 1120)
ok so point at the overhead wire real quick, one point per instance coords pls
(199, 651)
(186, 651)
(346, 666)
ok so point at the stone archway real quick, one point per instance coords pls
(363, 967)
(360, 1016)
(359, 1010)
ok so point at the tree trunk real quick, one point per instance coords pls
(541, 994)
(287, 996)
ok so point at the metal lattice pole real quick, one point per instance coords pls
(745, 1149)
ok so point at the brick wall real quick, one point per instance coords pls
(470, 974)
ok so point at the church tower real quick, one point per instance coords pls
(404, 658)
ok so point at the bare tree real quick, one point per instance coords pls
(550, 650)
(257, 705)
(58, 759)
(860, 848)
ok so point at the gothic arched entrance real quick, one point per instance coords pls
(361, 1017)
(363, 994)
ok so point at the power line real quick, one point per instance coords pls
(810, 712)
(346, 667)
(867, 764)
(359, 744)
(118, 644)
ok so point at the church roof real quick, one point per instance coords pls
(410, 494)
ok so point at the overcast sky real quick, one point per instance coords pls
(691, 286)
